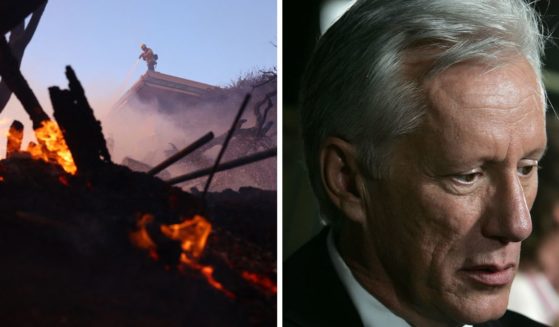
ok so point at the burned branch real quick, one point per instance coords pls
(225, 166)
(226, 142)
(81, 130)
(20, 36)
(11, 75)
(13, 12)
(182, 153)
(261, 110)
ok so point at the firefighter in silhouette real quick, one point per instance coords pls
(149, 57)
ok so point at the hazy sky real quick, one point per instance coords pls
(210, 41)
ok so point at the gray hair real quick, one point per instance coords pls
(356, 87)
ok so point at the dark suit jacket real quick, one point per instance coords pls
(313, 295)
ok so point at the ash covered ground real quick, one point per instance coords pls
(69, 261)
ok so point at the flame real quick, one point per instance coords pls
(52, 147)
(140, 237)
(14, 141)
(193, 235)
(261, 281)
(207, 272)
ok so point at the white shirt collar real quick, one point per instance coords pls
(370, 310)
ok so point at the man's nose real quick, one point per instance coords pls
(510, 220)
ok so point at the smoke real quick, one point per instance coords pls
(147, 132)
(150, 131)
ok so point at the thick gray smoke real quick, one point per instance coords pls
(149, 132)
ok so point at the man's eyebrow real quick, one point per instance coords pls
(538, 153)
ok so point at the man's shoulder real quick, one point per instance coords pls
(313, 250)
(512, 319)
(313, 295)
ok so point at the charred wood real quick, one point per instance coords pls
(261, 110)
(12, 12)
(226, 142)
(67, 253)
(137, 165)
(182, 153)
(225, 166)
(20, 36)
(11, 75)
(81, 130)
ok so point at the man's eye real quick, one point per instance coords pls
(527, 170)
(469, 178)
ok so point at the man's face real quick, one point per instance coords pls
(448, 221)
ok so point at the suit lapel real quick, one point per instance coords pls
(314, 295)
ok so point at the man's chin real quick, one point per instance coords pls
(480, 308)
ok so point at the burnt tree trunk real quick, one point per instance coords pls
(82, 132)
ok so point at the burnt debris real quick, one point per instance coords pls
(15, 137)
(182, 153)
(13, 12)
(11, 75)
(70, 257)
(81, 130)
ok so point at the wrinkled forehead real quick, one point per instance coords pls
(474, 110)
(477, 85)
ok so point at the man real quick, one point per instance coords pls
(423, 123)
(149, 57)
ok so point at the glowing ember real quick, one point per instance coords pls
(63, 179)
(193, 235)
(261, 281)
(52, 147)
(207, 272)
(1, 178)
(15, 136)
(141, 238)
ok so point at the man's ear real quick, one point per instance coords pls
(555, 213)
(342, 178)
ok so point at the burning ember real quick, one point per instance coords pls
(140, 237)
(191, 233)
(52, 147)
(262, 281)
(15, 136)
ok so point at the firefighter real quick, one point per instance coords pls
(149, 57)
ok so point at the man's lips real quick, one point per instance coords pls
(491, 275)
